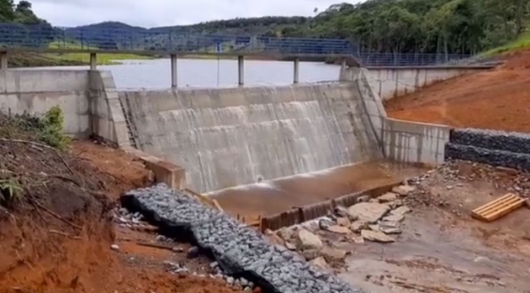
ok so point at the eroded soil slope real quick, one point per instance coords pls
(495, 99)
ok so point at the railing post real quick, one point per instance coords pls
(241, 70)
(93, 61)
(174, 71)
(3, 61)
(296, 70)
(343, 70)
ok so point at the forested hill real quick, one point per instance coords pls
(419, 26)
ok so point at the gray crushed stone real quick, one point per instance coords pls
(491, 139)
(239, 250)
(488, 156)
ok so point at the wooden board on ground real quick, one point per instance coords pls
(205, 200)
(498, 208)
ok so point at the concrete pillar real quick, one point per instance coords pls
(3, 61)
(241, 70)
(93, 61)
(296, 71)
(343, 70)
(174, 71)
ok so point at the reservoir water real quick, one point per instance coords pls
(208, 73)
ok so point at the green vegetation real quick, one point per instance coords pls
(421, 26)
(84, 58)
(47, 129)
(521, 43)
(10, 190)
(50, 129)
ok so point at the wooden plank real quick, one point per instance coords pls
(498, 208)
(505, 211)
(499, 205)
(493, 203)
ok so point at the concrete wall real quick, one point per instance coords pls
(412, 142)
(230, 137)
(36, 91)
(107, 119)
(390, 82)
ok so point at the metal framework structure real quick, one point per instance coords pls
(44, 38)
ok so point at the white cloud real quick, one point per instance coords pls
(150, 13)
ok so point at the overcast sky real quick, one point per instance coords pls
(151, 13)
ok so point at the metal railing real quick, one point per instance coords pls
(410, 59)
(44, 37)
(166, 40)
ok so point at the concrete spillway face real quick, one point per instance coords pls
(231, 137)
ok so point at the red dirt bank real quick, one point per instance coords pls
(495, 99)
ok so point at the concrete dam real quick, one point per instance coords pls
(230, 137)
(224, 138)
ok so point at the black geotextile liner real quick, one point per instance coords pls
(182, 232)
(495, 140)
(487, 156)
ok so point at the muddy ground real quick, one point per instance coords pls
(493, 99)
(442, 249)
(57, 236)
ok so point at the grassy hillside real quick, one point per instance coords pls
(521, 43)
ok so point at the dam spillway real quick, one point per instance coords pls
(230, 137)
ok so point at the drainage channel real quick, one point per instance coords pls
(240, 251)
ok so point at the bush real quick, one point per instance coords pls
(9, 191)
(51, 129)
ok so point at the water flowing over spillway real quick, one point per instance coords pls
(230, 137)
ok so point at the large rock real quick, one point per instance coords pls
(339, 229)
(333, 254)
(376, 236)
(285, 233)
(308, 240)
(403, 190)
(387, 197)
(357, 226)
(325, 223)
(320, 263)
(397, 217)
(344, 222)
(368, 212)
(310, 254)
(400, 211)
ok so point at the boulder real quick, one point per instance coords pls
(363, 198)
(357, 226)
(395, 204)
(375, 227)
(344, 222)
(358, 239)
(290, 246)
(325, 223)
(332, 254)
(320, 263)
(339, 229)
(341, 212)
(394, 217)
(403, 190)
(285, 233)
(390, 230)
(400, 211)
(368, 212)
(376, 236)
(387, 197)
(307, 240)
(310, 254)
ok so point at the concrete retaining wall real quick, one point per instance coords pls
(230, 137)
(411, 142)
(390, 82)
(36, 91)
